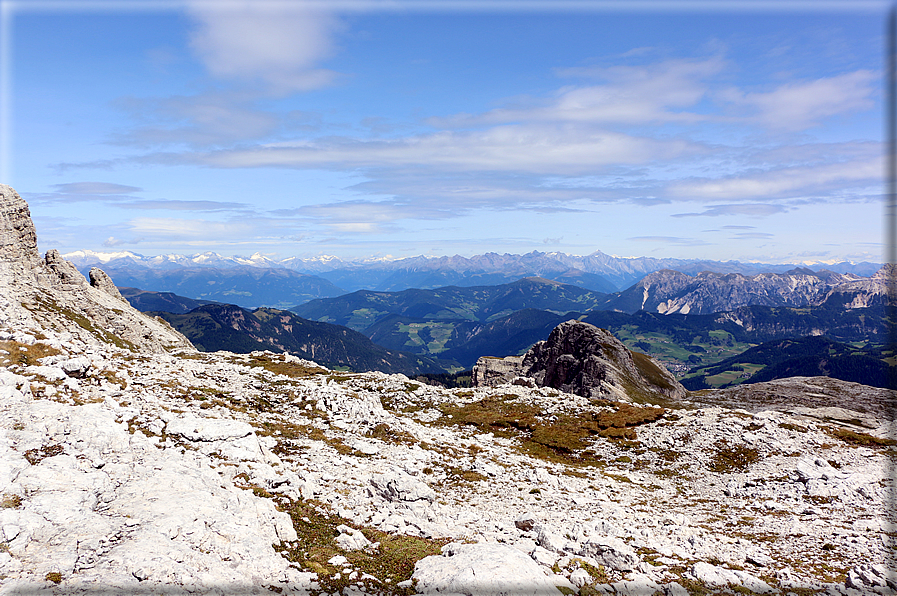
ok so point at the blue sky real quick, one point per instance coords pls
(703, 130)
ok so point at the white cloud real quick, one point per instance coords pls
(671, 240)
(793, 182)
(191, 229)
(630, 95)
(112, 241)
(801, 105)
(278, 44)
(175, 205)
(752, 236)
(532, 149)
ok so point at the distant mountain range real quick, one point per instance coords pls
(254, 281)
(696, 342)
(692, 322)
(464, 323)
(359, 310)
(214, 327)
(244, 285)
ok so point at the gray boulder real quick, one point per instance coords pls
(396, 486)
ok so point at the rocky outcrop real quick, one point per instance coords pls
(50, 293)
(18, 238)
(584, 360)
(490, 371)
(101, 281)
(823, 397)
(864, 292)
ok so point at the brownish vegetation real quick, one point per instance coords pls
(34, 456)
(732, 458)
(24, 354)
(278, 365)
(550, 436)
(392, 561)
(860, 439)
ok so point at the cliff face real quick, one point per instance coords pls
(668, 292)
(18, 239)
(584, 360)
(49, 293)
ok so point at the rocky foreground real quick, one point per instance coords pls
(143, 466)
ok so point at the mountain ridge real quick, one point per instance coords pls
(670, 291)
(228, 327)
(390, 274)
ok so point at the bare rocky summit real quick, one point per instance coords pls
(50, 293)
(583, 359)
(139, 468)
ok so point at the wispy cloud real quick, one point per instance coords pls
(631, 134)
(119, 195)
(208, 119)
(800, 105)
(175, 205)
(671, 240)
(788, 182)
(112, 242)
(746, 209)
(629, 95)
(279, 45)
(95, 188)
(752, 236)
(539, 149)
(186, 230)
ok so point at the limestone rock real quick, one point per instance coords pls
(208, 429)
(101, 281)
(351, 539)
(397, 486)
(75, 367)
(18, 238)
(50, 293)
(612, 552)
(66, 276)
(720, 576)
(490, 371)
(484, 570)
(585, 360)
